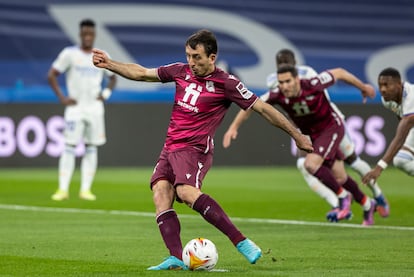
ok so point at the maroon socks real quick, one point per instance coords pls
(211, 211)
(170, 228)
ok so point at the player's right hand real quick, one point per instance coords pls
(99, 58)
(304, 143)
(228, 137)
(372, 175)
(67, 101)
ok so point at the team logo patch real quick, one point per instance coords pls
(210, 86)
(314, 82)
(244, 92)
(325, 77)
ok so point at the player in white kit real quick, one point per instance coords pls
(84, 110)
(347, 146)
(397, 96)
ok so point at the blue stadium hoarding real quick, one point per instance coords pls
(31, 136)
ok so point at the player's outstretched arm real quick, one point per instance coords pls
(277, 119)
(232, 131)
(404, 127)
(130, 71)
(367, 90)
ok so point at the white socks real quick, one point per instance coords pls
(88, 167)
(66, 167)
(362, 167)
(89, 164)
(316, 185)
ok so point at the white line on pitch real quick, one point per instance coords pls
(240, 219)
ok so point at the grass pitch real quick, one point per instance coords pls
(117, 234)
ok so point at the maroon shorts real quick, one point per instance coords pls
(186, 166)
(327, 145)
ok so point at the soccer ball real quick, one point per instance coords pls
(200, 254)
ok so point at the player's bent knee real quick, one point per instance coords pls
(404, 160)
(188, 194)
(399, 162)
(163, 192)
(310, 168)
(300, 164)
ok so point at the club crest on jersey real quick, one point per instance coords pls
(314, 82)
(210, 86)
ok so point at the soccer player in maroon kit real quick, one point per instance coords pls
(203, 95)
(308, 107)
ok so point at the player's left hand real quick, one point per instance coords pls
(228, 137)
(368, 91)
(372, 175)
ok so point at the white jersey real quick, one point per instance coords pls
(392, 106)
(83, 79)
(406, 108)
(84, 84)
(304, 72)
(408, 99)
(407, 102)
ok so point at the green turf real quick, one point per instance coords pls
(87, 239)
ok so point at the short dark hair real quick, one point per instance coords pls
(203, 37)
(285, 67)
(285, 56)
(87, 23)
(391, 72)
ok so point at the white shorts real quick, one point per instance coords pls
(347, 146)
(87, 123)
(409, 141)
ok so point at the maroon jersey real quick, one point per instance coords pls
(311, 111)
(200, 104)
